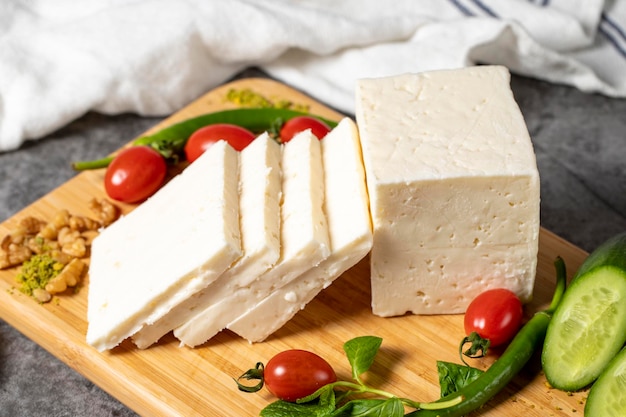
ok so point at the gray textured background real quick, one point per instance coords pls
(579, 139)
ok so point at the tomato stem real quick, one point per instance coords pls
(478, 347)
(252, 374)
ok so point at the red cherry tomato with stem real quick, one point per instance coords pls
(135, 174)
(300, 123)
(495, 315)
(295, 373)
(203, 138)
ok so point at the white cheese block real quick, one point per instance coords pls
(259, 219)
(346, 205)
(454, 189)
(168, 248)
(303, 237)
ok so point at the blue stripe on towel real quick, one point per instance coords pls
(615, 35)
(462, 8)
(468, 12)
(542, 3)
(485, 8)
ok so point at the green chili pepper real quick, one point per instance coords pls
(171, 140)
(518, 353)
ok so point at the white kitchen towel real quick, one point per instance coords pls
(61, 58)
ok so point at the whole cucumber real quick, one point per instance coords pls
(589, 326)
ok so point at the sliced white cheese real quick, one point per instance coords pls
(303, 235)
(168, 248)
(454, 189)
(346, 206)
(259, 219)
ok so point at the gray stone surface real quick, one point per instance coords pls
(580, 142)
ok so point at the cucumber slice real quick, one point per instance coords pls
(607, 396)
(589, 326)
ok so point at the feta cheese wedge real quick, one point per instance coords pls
(303, 237)
(346, 205)
(168, 248)
(454, 189)
(259, 219)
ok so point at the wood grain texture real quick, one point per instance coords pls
(167, 380)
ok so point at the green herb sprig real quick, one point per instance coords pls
(344, 398)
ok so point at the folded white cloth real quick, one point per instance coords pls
(60, 59)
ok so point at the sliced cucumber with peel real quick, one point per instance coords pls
(589, 327)
(607, 396)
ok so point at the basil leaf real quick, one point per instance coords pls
(391, 407)
(453, 377)
(326, 396)
(286, 409)
(323, 406)
(361, 352)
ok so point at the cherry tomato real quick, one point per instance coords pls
(135, 174)
(202, 139)
(295, 373)
(301, 123)
(495, 315)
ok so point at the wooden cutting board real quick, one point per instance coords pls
(167, 380)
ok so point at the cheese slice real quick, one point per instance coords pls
(303, 237)
(454, 189)
(259, 219)
(346, 206)
(168, 248)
